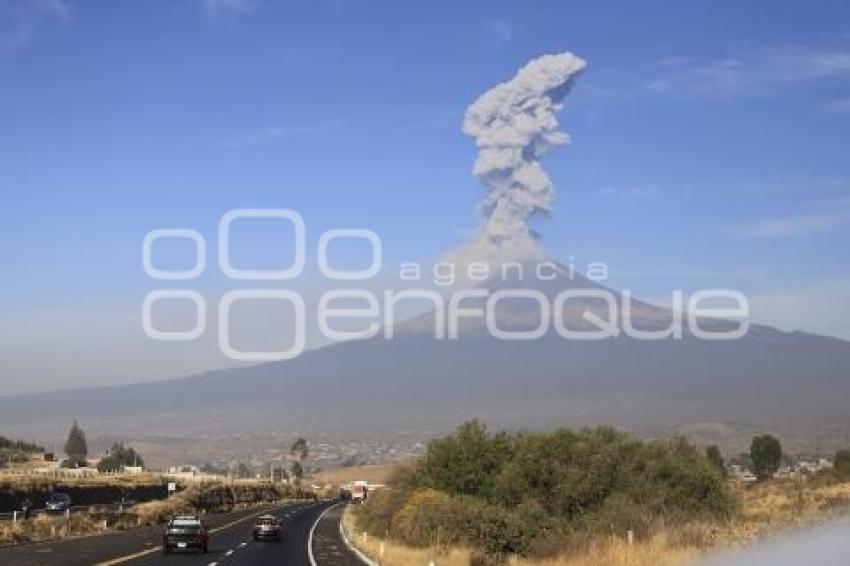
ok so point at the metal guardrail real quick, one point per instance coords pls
(116, 508)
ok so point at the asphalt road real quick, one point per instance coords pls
(230, 543)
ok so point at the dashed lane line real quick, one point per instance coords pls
(135, 555)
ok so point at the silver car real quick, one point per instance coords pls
(58, 503)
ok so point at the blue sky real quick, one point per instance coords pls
(709, 147)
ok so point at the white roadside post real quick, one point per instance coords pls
(14, 517)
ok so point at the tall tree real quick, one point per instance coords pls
(766, 453)
(297, 473)
(75, 446)
(299, 449)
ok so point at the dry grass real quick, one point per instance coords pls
(766, 509)
(43, 527)
(400, 555)
(660, 550)
(154, 512)
(21, 481)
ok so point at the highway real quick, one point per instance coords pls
(230, 543)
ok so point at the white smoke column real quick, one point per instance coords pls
(515, 124)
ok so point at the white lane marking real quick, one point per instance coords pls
(354, 549)
(312, 532)
(212, 564)
(228, 553)
(244, 544)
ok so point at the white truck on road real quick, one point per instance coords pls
(359, 491)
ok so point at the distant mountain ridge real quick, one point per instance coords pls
(768, 378)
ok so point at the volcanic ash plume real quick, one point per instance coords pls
(514, 124)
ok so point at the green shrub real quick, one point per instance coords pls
(465, 463)
(538, 493)
(376, 515)
(117, 457)
(427, 512)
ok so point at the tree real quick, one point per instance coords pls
(297, 472)
(466, 462)
(75, 447)
(117, 457)
(300, 451)
(766, 453)
(841, 463)
(716, 459)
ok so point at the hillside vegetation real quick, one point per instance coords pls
(16, 451)
(539, 494)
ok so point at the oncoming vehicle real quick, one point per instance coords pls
(267, 527)
(185, 533)
(58, 503)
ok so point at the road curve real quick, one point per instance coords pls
(230, 544)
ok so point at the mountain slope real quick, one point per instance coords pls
(768, 378)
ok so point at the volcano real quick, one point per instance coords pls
(768, 378)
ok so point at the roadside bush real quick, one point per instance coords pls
(421, 517)
(575, 474)
(497, 531)
(376, 515)
(536, 494)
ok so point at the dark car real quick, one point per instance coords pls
(58, 503)
(267, 527)
(185, 533)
